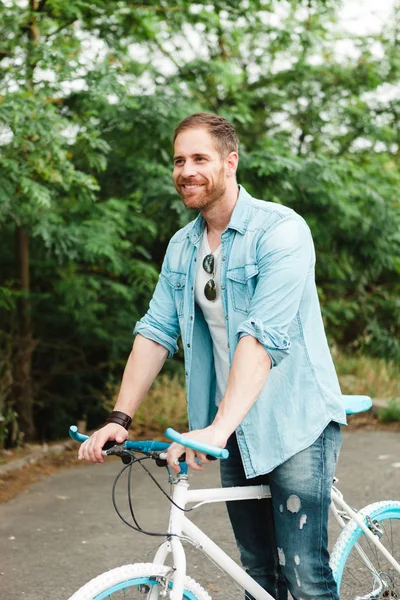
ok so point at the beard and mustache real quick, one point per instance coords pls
(204, 197)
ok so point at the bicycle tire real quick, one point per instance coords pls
(352, 575)
(128, 580)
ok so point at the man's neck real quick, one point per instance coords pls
(219, 214)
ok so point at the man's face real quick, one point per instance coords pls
(199, 170)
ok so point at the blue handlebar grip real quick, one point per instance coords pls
(74, 433)
(194, 445)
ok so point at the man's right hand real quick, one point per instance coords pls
(92, 447)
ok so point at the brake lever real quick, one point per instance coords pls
(108, 445)
(118, 450)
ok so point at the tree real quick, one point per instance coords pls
(90, 95)
(319, 133)
(49, 163)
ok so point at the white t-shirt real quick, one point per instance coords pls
(214, 315)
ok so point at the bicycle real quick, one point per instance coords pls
(355, 560)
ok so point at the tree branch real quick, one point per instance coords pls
(59, 29)
(167, 54)
(301, 142)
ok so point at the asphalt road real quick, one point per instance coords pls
(63, 531)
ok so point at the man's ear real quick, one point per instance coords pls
(231, 164)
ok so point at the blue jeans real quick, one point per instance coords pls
(283, 540)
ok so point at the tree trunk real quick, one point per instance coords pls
(24, 343)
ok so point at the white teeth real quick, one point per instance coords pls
(191, 187)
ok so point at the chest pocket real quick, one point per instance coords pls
(242, 284)
(177, 282)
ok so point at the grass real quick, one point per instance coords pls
(164, 406)
(391, 413)
(373, 377)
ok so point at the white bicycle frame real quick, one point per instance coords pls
(180, 527)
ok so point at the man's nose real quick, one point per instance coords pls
(189, 169)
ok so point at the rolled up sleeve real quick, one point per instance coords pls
(285, 256)
(161, 322)
(157, 335)
(276, 344)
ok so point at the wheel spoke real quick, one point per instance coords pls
(358, 579)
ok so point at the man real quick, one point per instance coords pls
(238, 285)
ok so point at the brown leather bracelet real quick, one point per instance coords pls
(119, 418)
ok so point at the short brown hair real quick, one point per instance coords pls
(218, 127)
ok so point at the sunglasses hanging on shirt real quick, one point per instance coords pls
(210, 289)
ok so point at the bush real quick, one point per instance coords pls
(391, 413)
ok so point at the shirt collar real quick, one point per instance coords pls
(239, 219)
(241, 213)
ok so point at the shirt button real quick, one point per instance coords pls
(222, 287)
(186, 373)
(240, 432)
(191, 318)
(224, 258)
(188, 345)
(229, 346)
(226, 317)
(178, 285)
(192, 288)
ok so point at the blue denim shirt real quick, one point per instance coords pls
(268, 291)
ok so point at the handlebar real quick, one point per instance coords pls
(78, 437)
(146, 447)
(195, 445)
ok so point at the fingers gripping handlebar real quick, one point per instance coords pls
(154, 446)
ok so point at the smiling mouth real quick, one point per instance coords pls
(191, 186)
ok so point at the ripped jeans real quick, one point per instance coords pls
(283, 540)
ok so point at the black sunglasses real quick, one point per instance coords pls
(210, 289)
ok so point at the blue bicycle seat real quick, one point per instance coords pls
(356, 404)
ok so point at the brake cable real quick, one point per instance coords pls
(137, 527)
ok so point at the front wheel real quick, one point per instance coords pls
(140, 581)
(360, 570)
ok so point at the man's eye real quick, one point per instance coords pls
(178, 163)
(200, 159)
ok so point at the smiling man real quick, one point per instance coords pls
(237, 284)
(200, 177)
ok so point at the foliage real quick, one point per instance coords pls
(89, 97)
(368, 375)
(321, 134)
(391, 412)
(165, 404)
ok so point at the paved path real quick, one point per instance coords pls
(63, 531)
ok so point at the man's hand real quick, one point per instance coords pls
(91, 449)
(210, 435)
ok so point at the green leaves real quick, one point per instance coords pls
(90, 95)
